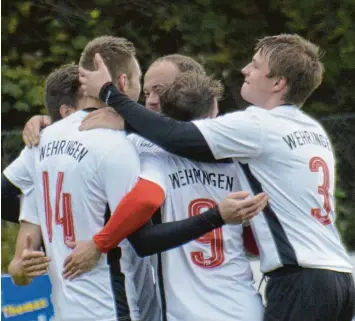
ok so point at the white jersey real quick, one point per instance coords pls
(74, 175)
(288, 155)
(210, 278)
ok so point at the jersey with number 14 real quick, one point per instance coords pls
(210, 278)
(74, 175)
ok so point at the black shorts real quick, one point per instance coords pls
(300, 294)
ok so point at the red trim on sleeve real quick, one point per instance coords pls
(134, 210)
(249, 241)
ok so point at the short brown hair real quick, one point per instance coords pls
(62, 87)
(191, 96)
(117, 53)
(183, 63)
(296, 59)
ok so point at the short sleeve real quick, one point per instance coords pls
(152, 169)
(28, 211)
(20, 171)
(238, 134)
(118, 171)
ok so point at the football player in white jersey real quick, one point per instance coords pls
(142, 301)
(209, 278)
(74, 177)
(116, 49)
(284, 152)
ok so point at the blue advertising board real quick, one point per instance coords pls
(26, 303)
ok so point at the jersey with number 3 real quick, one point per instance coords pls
(75, 175)
(288, 155)
(207, 279)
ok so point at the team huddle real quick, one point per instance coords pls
(146, 213)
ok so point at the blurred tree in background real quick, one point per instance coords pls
(41, 35)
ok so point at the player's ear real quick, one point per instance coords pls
(65, 110)
(280, 84)
(122, 83)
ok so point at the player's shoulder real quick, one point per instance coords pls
(143, 145)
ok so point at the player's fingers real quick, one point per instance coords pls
(27, 137)
(74, 275)
(70, 271)
(87, 125)
(99, 62)
(37, 267)
(70, 265)
(83, 80)
(30, 134)
(254, 200)
(83, 72)
(238, 195)
(67, 260)
(34, 261)
(36, 273)
(27, 255)
(253, 211)
(256, 205)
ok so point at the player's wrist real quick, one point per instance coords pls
(97, 241)
(214, 217)
(105, 91)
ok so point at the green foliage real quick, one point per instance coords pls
(8, 242)
(39, 36)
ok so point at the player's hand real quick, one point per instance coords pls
(31, 132)
(82, 259)
(33, 263)
(103, 118)
(236, 209)
(92, 81)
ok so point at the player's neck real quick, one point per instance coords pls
(274, 102)
(92, 102)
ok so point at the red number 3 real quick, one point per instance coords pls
(67, 220)
(214, 238)
(314, 165)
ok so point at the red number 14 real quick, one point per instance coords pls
(67, 219)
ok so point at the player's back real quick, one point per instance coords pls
(296, 168)
(75, 183)
(209, 278)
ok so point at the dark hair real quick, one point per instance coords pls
(190, 96)
(62, 88)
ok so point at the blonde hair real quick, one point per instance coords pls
(117, 53)
(296, 59)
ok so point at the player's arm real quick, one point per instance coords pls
(31, 132)
(134, 210)
(151, 239)
(28, 261)
(237, 134)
